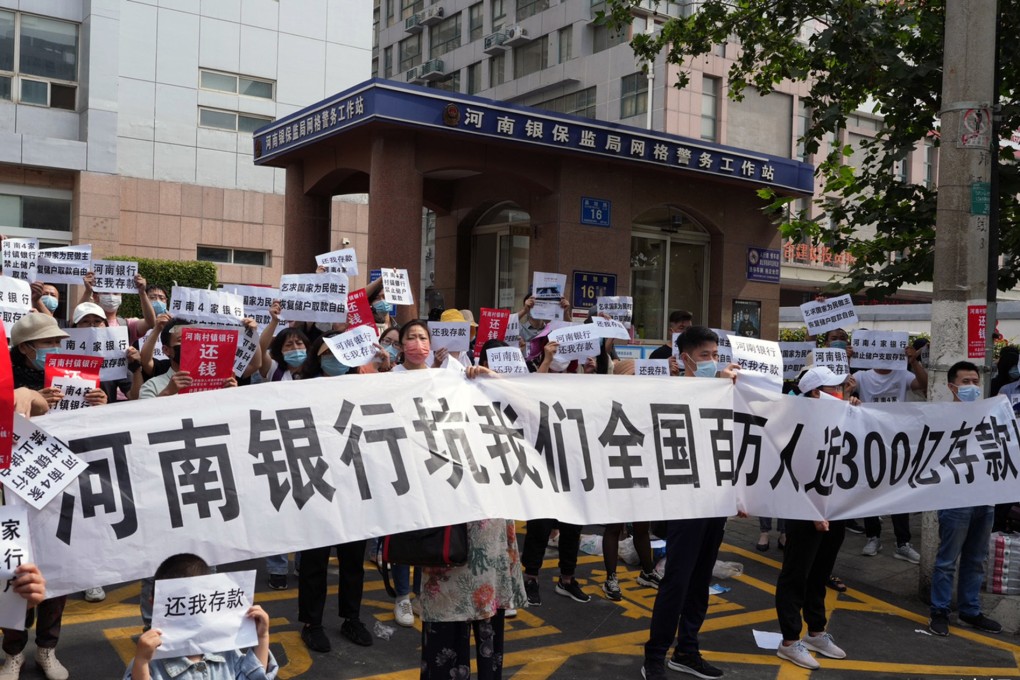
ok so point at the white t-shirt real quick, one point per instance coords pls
(874, 387)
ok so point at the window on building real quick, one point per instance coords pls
(929, 165)
(410, 52)
(475, 22)
(444, 36)
(450, 82)
(232, 255)
(901, 168)
(497, 69)
(474, 78)
(633, 95)
(231, 121)
(803, 118)
(388, 62)
(409, 7)
(580, 103)
(236, 84)
(38, 60)
(28, 216)
(710, 87)
(532, 57)
(527, 8)
(498, 14)
(605, 37)
(566, 44)
(389, 12)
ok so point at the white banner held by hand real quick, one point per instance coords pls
(343, 261)
(397, 287)
(15, 549)
(650, 367)
(67, 264)
(314, 297)
(576, 341)
(15, 300)
(760, 361)
(879, 349)
(204, 614)
(40, 465)
(21, 257)
(795, 356)
(114, 276)
(109, 343)
(455, 336)
(199, 304)
(506, 361)
(609, 328)
(356, 347)
(547, 290)
(619, 307)
(833, 359)
(837, 312)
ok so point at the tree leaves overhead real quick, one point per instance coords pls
(885, 55)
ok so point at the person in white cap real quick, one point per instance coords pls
(820, 382)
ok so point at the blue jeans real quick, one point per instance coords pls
(963, 535)
(277, 565)
(401, 574)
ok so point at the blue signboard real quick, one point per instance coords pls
(595, 211)
(590, 286)
(374, 275)
(478, 118)
(763, 265)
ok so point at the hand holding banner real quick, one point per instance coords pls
(74, 376)
(109, 344)
(506, 360)
(547, 290)
(760, 361)
(576, 341)
(204, 614)
(201, 305)
(833, 359)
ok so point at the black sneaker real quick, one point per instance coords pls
(694, 664)
(278, 581)
(854, 527)
(938, 624)
(531, 588)
(982, 623)
(653, 671)
(649, 579)
(315, 638)
(355, 631)
(571, 590)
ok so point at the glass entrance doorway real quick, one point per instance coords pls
(500, 245)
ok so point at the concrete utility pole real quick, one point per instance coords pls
(962, 223)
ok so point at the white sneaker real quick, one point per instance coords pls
(12, 666)
(510, 613)
(872, 547)
(907, 552)
(96, 594)
(403, 613)
(798, 654)
(46, 657)
(824, 645)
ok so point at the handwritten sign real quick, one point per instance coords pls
(619, 307)
(651, 367)
(109, 343)
(835, 312)
(40, 465)
(67, 264)
(506, 360)
(314, 297)
(879, 349)
(199, 304)
(15, 550)
(114, 276)
(355, 347)
(21, 257)
(397, 287)
(343, 261)
(202, 614)
(208, 355)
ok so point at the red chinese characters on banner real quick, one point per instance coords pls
(492, 324)
(977, 320)
(73, 366)
(359, 312)
(208, 357)
(6, 403)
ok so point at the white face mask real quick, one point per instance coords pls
(110, 302)
(559, 365)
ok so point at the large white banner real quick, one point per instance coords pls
(286, 466)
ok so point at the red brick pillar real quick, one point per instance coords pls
(394, 211)
(305, 224)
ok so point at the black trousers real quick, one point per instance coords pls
(446, 648)
(47, 615)
(537, 537)
(692, 546)
(900, 525)
(312, 581)
(807, 564)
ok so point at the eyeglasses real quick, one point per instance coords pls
(388, 342)
(157, 296)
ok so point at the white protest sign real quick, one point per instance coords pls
(356, 347)
(201, 305)
(344, 261)
(200, 614)
(836, 312)
(609, 328)
(760, 361)
(21, 257)
(833, 359)
(74, 391)
(67, 264)
(157, 352)
(256, 300)
(879, 349)
(725, 353)
(15, 550)
(547, 289)
(40, 465)
(619, 307)
(506, 361)
(650, 367)
(513, 330)
(455, 336)
(397, 287)
(109, 343)
(114, 276)
(15, 300)
(795, 356)
(314, 297)
(576, 341)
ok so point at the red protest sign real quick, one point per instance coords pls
(492, 324)
(74, 366)
(208, 356)
(359, 312)
(977, 318)
(6, 403)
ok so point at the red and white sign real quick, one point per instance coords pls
(6, 404)
(208, 356)
(492, 325)
(977, 323)
(74, 366)
(359, 312)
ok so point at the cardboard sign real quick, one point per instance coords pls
(651, 367)
(760, 361)
(208, 355)
(833, 359)
(21, 257)
(68, 264)
(835, 312)
(547, 289)
(618, 307)
(359, 311)
(879, 349)
(492, 325)
(455, 336)
(203, 614)
(795, 356)
(201, 305)
(314, 297)
(40, 465)
(343, 261)
(355, 347)
(506, 360)
(15, 300)
(6, 403)
(15, 550)
(397, 287)
(109, 343)
(73, 366)
(114, 276)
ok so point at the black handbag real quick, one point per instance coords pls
(445, 546)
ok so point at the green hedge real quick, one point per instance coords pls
(164, 273)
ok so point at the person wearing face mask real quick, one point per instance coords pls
(963, 536)
(389, 341)
(692, 546)
(1007, 375)
(48, 298)
(110, 303)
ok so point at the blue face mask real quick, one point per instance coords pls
(295, 357)
(159, 307)
(40, 356)
(393, 352)
(330, 365)
(706, 369)
(381, 307)
(50, 302)
(968, 392)
(1014, 373)
(838, 344)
